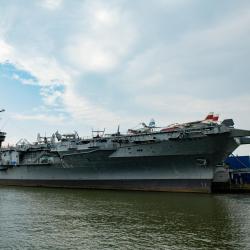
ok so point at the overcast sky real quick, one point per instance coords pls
(76, 65)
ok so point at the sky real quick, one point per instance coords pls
(78, 65)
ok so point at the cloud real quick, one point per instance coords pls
(200, 63)
(51, 4)
(107, 37)
(41, 118)
(174, 3)
(190, 108)
(5, 51)
(228, 31)
(25, 81)
(45, 69)
(84, 111)
(52, 95)
(104, 37)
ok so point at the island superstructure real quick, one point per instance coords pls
(179, 157)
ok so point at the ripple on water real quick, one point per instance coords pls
(40, 218)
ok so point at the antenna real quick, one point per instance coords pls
(118, 130)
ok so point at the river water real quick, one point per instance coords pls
(42, 218)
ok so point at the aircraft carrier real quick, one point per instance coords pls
(178, 158)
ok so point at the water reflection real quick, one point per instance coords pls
(86, 219)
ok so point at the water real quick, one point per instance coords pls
(41, 218)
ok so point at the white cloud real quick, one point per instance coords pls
(85, 112)
(227, 33)
(88, 55)
(189, 108)
(51, 4)
(108, 36)
(41, 118)
(174, 3)
(46, 69)
(98, 46)
(52, 96)
(199, 62)
(24, 81)
(5, 51)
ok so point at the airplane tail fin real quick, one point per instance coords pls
(209, 117)
(216, 118)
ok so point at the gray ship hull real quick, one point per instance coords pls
(162, 173)
(150, 162)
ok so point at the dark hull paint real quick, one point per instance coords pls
(200, 186)
(160, 166)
